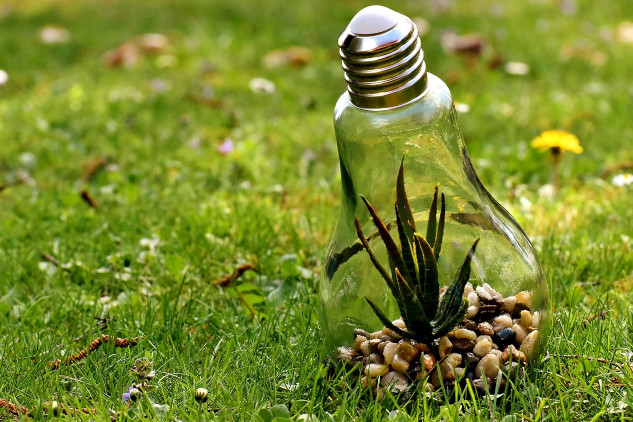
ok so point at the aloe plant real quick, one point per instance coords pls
(413, 281)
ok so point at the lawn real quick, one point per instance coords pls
(137, 171)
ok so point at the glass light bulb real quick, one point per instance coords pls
(377, 124)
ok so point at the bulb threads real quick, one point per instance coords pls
(386, 69)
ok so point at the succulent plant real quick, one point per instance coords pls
(413, 281)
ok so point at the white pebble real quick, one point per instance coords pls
(389, 352)
(473, 299)
(374, 370)
(464, 333)
(528, 346)
(471, 311)
(358, 341)
(364, 347)
(445, 346)
(525, 318)
(399, 364)
(395, 381)
(454, 359)
(488, 293)
(400, 324)
(536, 320)
(520, 332)
(488, 366)
(508, 304)
(483, 347)
(501, 322)
(468, 289)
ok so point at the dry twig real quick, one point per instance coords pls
(226, 280)
(88, 199)
(94, 345)
(7, 185)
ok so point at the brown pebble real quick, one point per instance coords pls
(375, 370)
(485, 328)
(422, 348)
(429, 361)
(360, 332)
(358, 341)
(528, 346)
(373, 344)
(347, 354)
(367, 381)
(517, 355)
(463, 345)
(469, 324)
(389, 352)
(376, 358)
(447, 371)
(407, 351)
(516, 313)
(399, 364)
(445, 346)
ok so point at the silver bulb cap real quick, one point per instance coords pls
(382, 59)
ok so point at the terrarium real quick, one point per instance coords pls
(427, 277)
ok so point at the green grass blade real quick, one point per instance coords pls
(392, 249)
(440, 230)
(431, 280)
(410, 266)
(403, 204)
(386, 322)
(431, 227)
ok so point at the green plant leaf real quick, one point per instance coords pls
(403, 204)
(265, 415)
(392, 249)
(421, 268)
(410, 267)
(455, 292)
(412, 312)
(386, 321)
(440, 230)
(432, 224)
(280, 411)
(431, 281)
(372, 257)
(454, 317)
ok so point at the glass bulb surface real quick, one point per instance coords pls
(371, 145)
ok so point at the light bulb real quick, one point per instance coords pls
(394, 108)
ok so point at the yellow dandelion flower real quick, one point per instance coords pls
(557, 140)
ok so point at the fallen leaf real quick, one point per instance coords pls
(294, 56)
(125, 55)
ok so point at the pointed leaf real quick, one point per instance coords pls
(410, 267)
(455, 292)
(431, 282)
(440, 230)
(421, 269)
(372, 257)
(432, 225)
(403, 204)
(411, 308)
(452, 320)
(383, 318)
(392, 249)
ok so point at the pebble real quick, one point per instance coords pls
(508, 304)
(373, 344)
(498, 353)
(400, 324)
(469, 324)
(376, 358)
(360, 332)
(468, 289)
(471, 311)
(454, 359)
(488, 366)
(422, 348)
(407, 350)
(483, 347)
(473, 299)
(389, 352)
(447, 370)
(524, 297)
(394, 381)
(470, 361)
(505, 336)
(463, 344)
(501, 322)
(364, 347)
(375, 335)
(445, 346)
(485, 328)
(429, 361)
(460, 372)
(536, 320)
(488, 294)
(358, 342)
(392, 339)
(516, 313)
(465, 334)
(520, 332)
(528, 346)
(399, 364)
(517, 355)
(525, 318)
(346, 354)
(382, 345)
(374, 370)
(367, 382)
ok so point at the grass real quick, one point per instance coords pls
(174, 214)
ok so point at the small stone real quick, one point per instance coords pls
(508, 304)
(488, 366)
(445, 346)
(516, 313)
(464, 333)
(428, 388)
(373, 344)
(471, 311)
(394, 381)
(505, 336)
(463, 345)
(387, 337)
(447, 371)
(468, 289)
(528, 346)
(488, 310)
(374, 370)
(469, 324)
(364, 348)
(376, 358)
(482, 384)
(495, 351)
(485, 328)
(501, 322)
(360, 332)
(513, 370)
(524, 298)
(517, 355)
(459, 372)
(375, 335)
(470, 361)
(422, 348)
(429, 361)
(346, 354)
(416, 371)
(358, 341)
(488, 294)
(473, 299)
(536, 320)
(389, 352)
(525, 318)
(367, 382)
(388, 332)
(381, 346)
(407, 351)
(400, 324)
(520, 332)
(483, 347)
(454, 359)
(399, 364)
